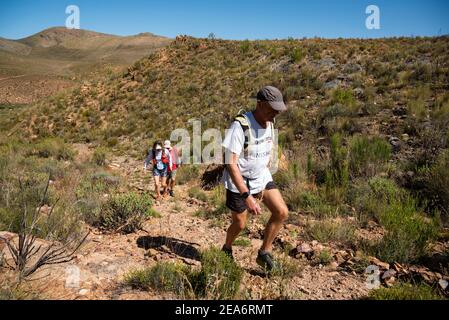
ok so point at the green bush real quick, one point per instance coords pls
(96, 184)
(408, 232)
(285, 178)
(53, 147)
(12, 292)
(417, 102)
(344, 97)
(337, 174)
(242, 242)
(163, 277)
(187, 173)
(440, 114)
(218, 200)
(369, 198)
(26, 190)
(296, 55)
(406, 291)
(99, 156)
(331, 231)
(125, 212)
(325, 257)
(367, 156)
(308, 202)
(197, 193)
(436, 183)
(245, 46)
(335, 110)
(219, 277)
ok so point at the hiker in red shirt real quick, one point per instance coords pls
(176, 163)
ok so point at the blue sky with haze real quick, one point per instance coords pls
(229, 19)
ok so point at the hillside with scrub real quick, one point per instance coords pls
(364, 172)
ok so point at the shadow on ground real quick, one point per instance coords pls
(170, 245)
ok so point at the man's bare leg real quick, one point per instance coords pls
(279, 213)
(237, 226)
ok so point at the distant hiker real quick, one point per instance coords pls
(249, 147)
(176, 162)
(161, 161)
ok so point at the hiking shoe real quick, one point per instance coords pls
(228, 252)
(266, 261)
(171, 193)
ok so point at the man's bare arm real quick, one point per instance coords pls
(236, 176)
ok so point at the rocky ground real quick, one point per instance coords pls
(178, 235)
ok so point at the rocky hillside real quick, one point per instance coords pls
(59, 56)
(389, 87)
(365, 143)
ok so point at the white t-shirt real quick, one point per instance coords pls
(254, 164)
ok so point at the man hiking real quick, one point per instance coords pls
(249, 146)
(162, 163)
(176, 163)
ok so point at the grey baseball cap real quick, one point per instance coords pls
(273, 96)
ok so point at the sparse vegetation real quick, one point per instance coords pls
(53, 147)
(406, 291)
(325, 257)
(100, 156)
(219, 277)
(242, 242)
(187, 173)
(367, 157)
(196, 193)
(125, 212)
(435, 186)
(365, 142)
(329, 230)
(408, 232)
(163, 277)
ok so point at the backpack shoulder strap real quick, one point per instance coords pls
(245, 123)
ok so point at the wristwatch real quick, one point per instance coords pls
(245, 195)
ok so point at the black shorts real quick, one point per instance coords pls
(236, 203)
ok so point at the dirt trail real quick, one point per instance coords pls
(177, 236)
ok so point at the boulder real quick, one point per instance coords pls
(395, 143)
(352, 68)
(389, 277)
(302, 250)
(332, 84)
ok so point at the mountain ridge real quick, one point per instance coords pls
(59, 52)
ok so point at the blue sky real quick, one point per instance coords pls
(228, 19)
